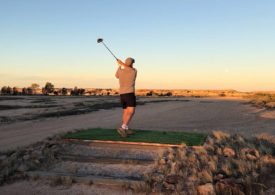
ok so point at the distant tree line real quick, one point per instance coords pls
(48, 89)
(152, 93)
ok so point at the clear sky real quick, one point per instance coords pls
(195, 44)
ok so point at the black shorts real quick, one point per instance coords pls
(128, 100)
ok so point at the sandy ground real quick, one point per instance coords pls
(197, 115)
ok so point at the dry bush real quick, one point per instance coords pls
(205, 177)
(55, 181)
(16, 163)
(266, 137)
(61, 180)
(227, 164)
(137, 187)
(263, 100)
(265, 143)
(219, 135)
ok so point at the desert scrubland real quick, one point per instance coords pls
(238, 159)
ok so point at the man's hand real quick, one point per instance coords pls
(120, 62)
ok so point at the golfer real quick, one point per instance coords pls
(126, 74)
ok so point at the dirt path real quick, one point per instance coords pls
(201, 115)
(37, 187)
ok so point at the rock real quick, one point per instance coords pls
(238, 138)
(22, 168)
(26, 157)
(250, 154)
(169, 186)
(55, 148)
(212, 165)
(13, 156)
(268, 159)
(250, 157)
(228, 152)
(218, 151)
(255, 174)
(206, 189)
(36, 161)
(67, 180)
(172, 179)
(239, 181)
(218, 177)
(256, 153)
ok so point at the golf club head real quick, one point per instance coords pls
(99, 40)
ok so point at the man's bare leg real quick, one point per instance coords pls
(124, 115)
(126, 118)
(128, 114)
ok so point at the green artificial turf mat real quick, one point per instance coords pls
(162, 137)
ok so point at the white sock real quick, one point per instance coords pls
(124, 126)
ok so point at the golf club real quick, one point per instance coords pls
(100, 40)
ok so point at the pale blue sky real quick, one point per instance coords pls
(200, 44)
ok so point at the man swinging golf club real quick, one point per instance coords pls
(126, 74)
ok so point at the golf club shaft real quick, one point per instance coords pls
(109, 50)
